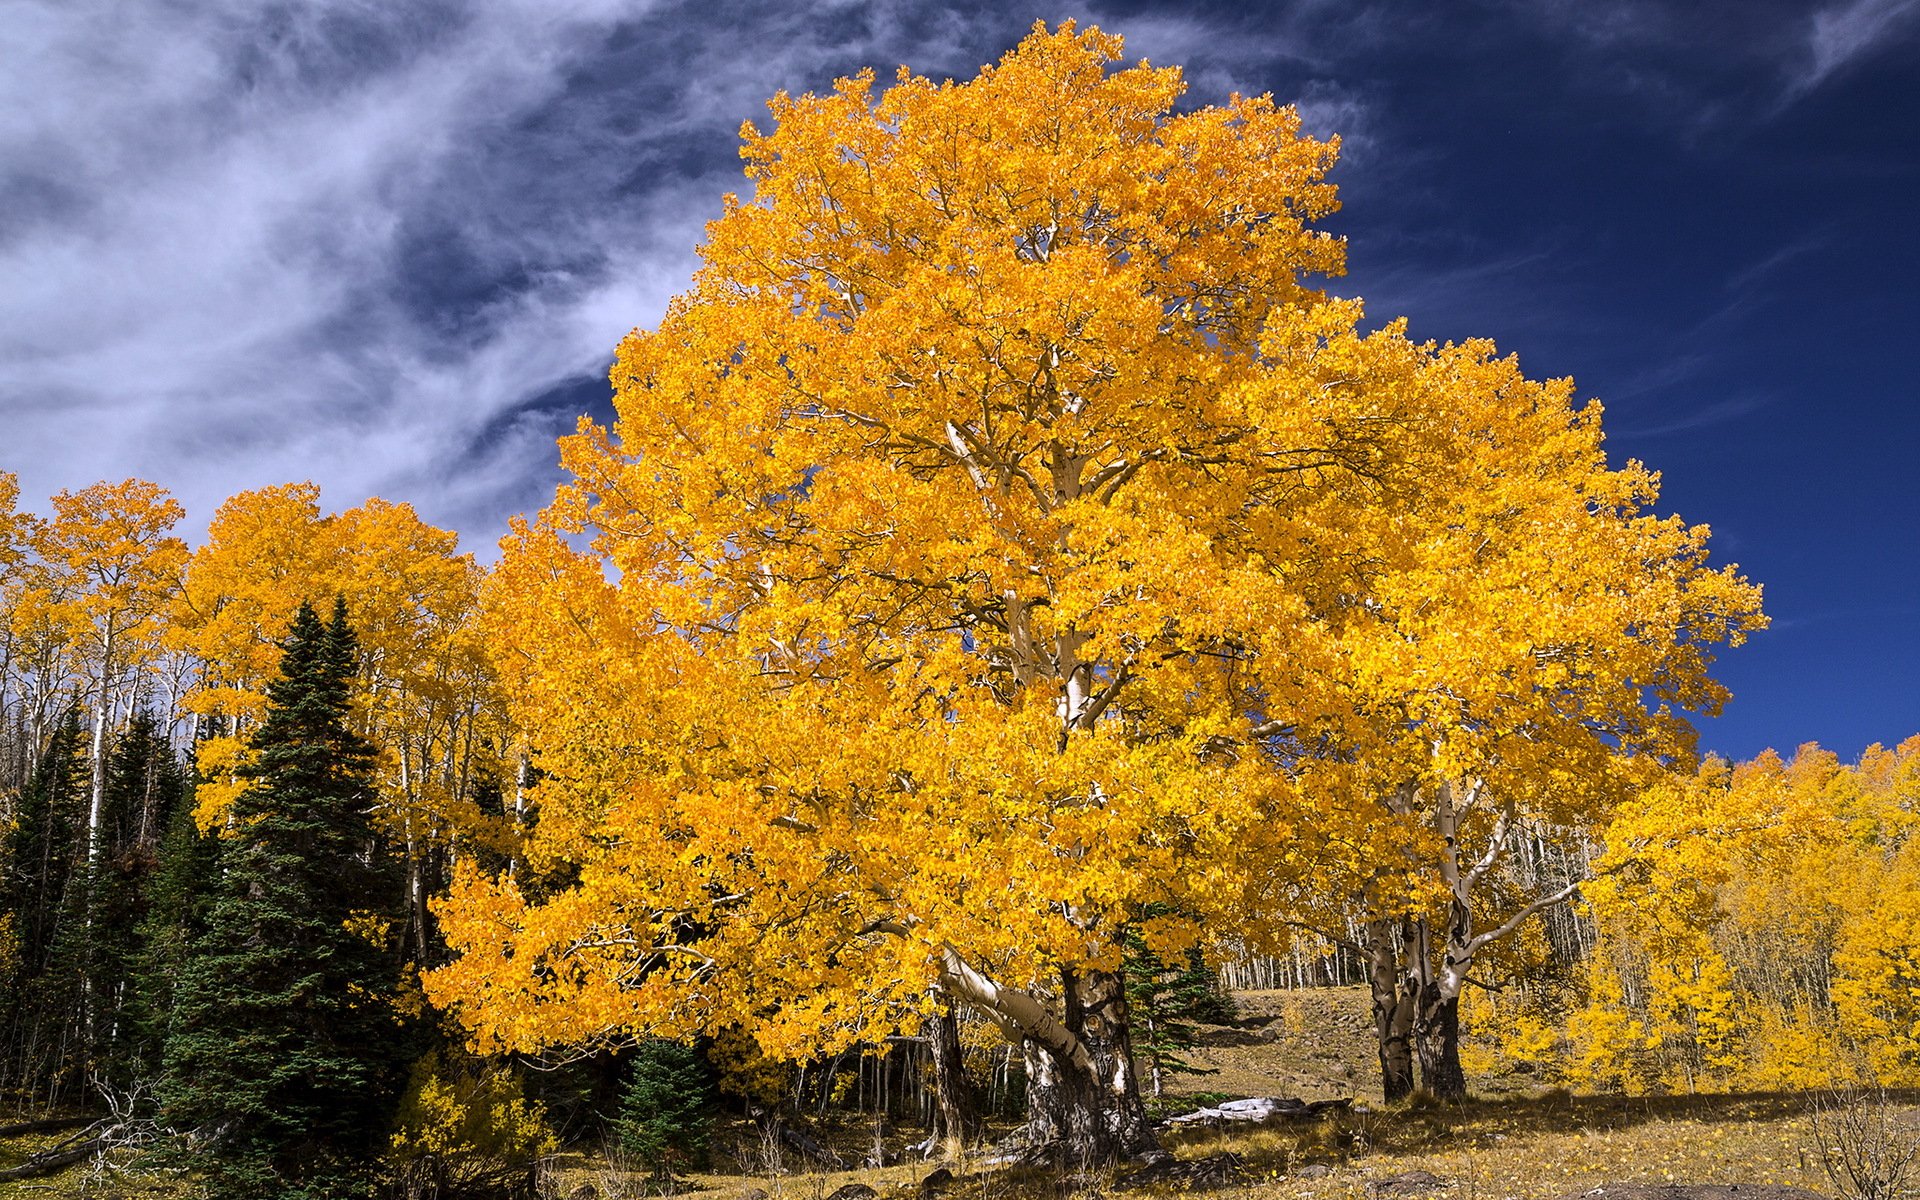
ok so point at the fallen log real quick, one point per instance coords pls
(812, 1148)
(1254, 1113)
(53, 1160)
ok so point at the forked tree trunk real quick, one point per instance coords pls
(1092, 1110)
(1084, 1105)
(1437, 1019)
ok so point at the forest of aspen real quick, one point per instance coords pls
(1015, 611)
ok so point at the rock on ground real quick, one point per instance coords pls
(1200, 1174)
(1407, 1183)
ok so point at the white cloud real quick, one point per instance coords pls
(354, 242)
(1719, 412)
(203, 294)
(1845, 33)
(357, 242)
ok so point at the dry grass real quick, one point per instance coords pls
(1506, 1150)
(1525, 1150)
(1313, 1045)
(1515, 1149)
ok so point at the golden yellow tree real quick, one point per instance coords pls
(108, 568)
(424, 695)
(1520, 649)
(1000, 547)
(939, 566)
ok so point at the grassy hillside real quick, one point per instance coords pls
(1314, 1045)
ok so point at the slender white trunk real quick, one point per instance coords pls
(96, 807)
(1153, 1064)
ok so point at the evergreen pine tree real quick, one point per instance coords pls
(143, 788)
(284, 1057)
(45, 850)
(1167, 1001)
(179, 897)
(666, 1108)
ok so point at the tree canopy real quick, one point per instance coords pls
(1003, 545)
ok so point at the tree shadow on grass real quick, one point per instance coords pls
(1427, 1125)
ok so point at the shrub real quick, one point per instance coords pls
(666, 1109)
(467, 1131)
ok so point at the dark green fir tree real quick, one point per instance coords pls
(666, 1108)
(144, 788)
(1168, 1000)
(284, 1057)
(44, 861)
(178, 902)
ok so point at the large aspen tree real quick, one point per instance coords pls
(938, 565)
(989, 559)
(1521, 651)
(961, 519)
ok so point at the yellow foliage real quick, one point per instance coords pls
(907, 617)
(371, 927)
(1531, 1038)
(1763, 917)
(1795, 1050)
(742, 1069)
(1604, 1042)
(425, 695)
(462, 1124)
(9, 948)
(1876, 991)
(1003, 539)
(83, 594)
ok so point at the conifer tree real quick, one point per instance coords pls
(666, 1108)
(44, 853)
(143, 789)
(179, 897)
(1169, 997)
(285, 1056)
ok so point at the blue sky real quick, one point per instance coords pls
(390, 246)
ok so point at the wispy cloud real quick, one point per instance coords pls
(382, 246)
(1755, 275)
(1296, 52)
(1846, 33)
(212, 289)
(1453, 292)
(1719, 412)
(360, 242)
(339, 240)
(1696, 69)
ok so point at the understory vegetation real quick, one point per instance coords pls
(1520, 1140)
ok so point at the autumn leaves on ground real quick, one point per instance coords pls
(1011, 593)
